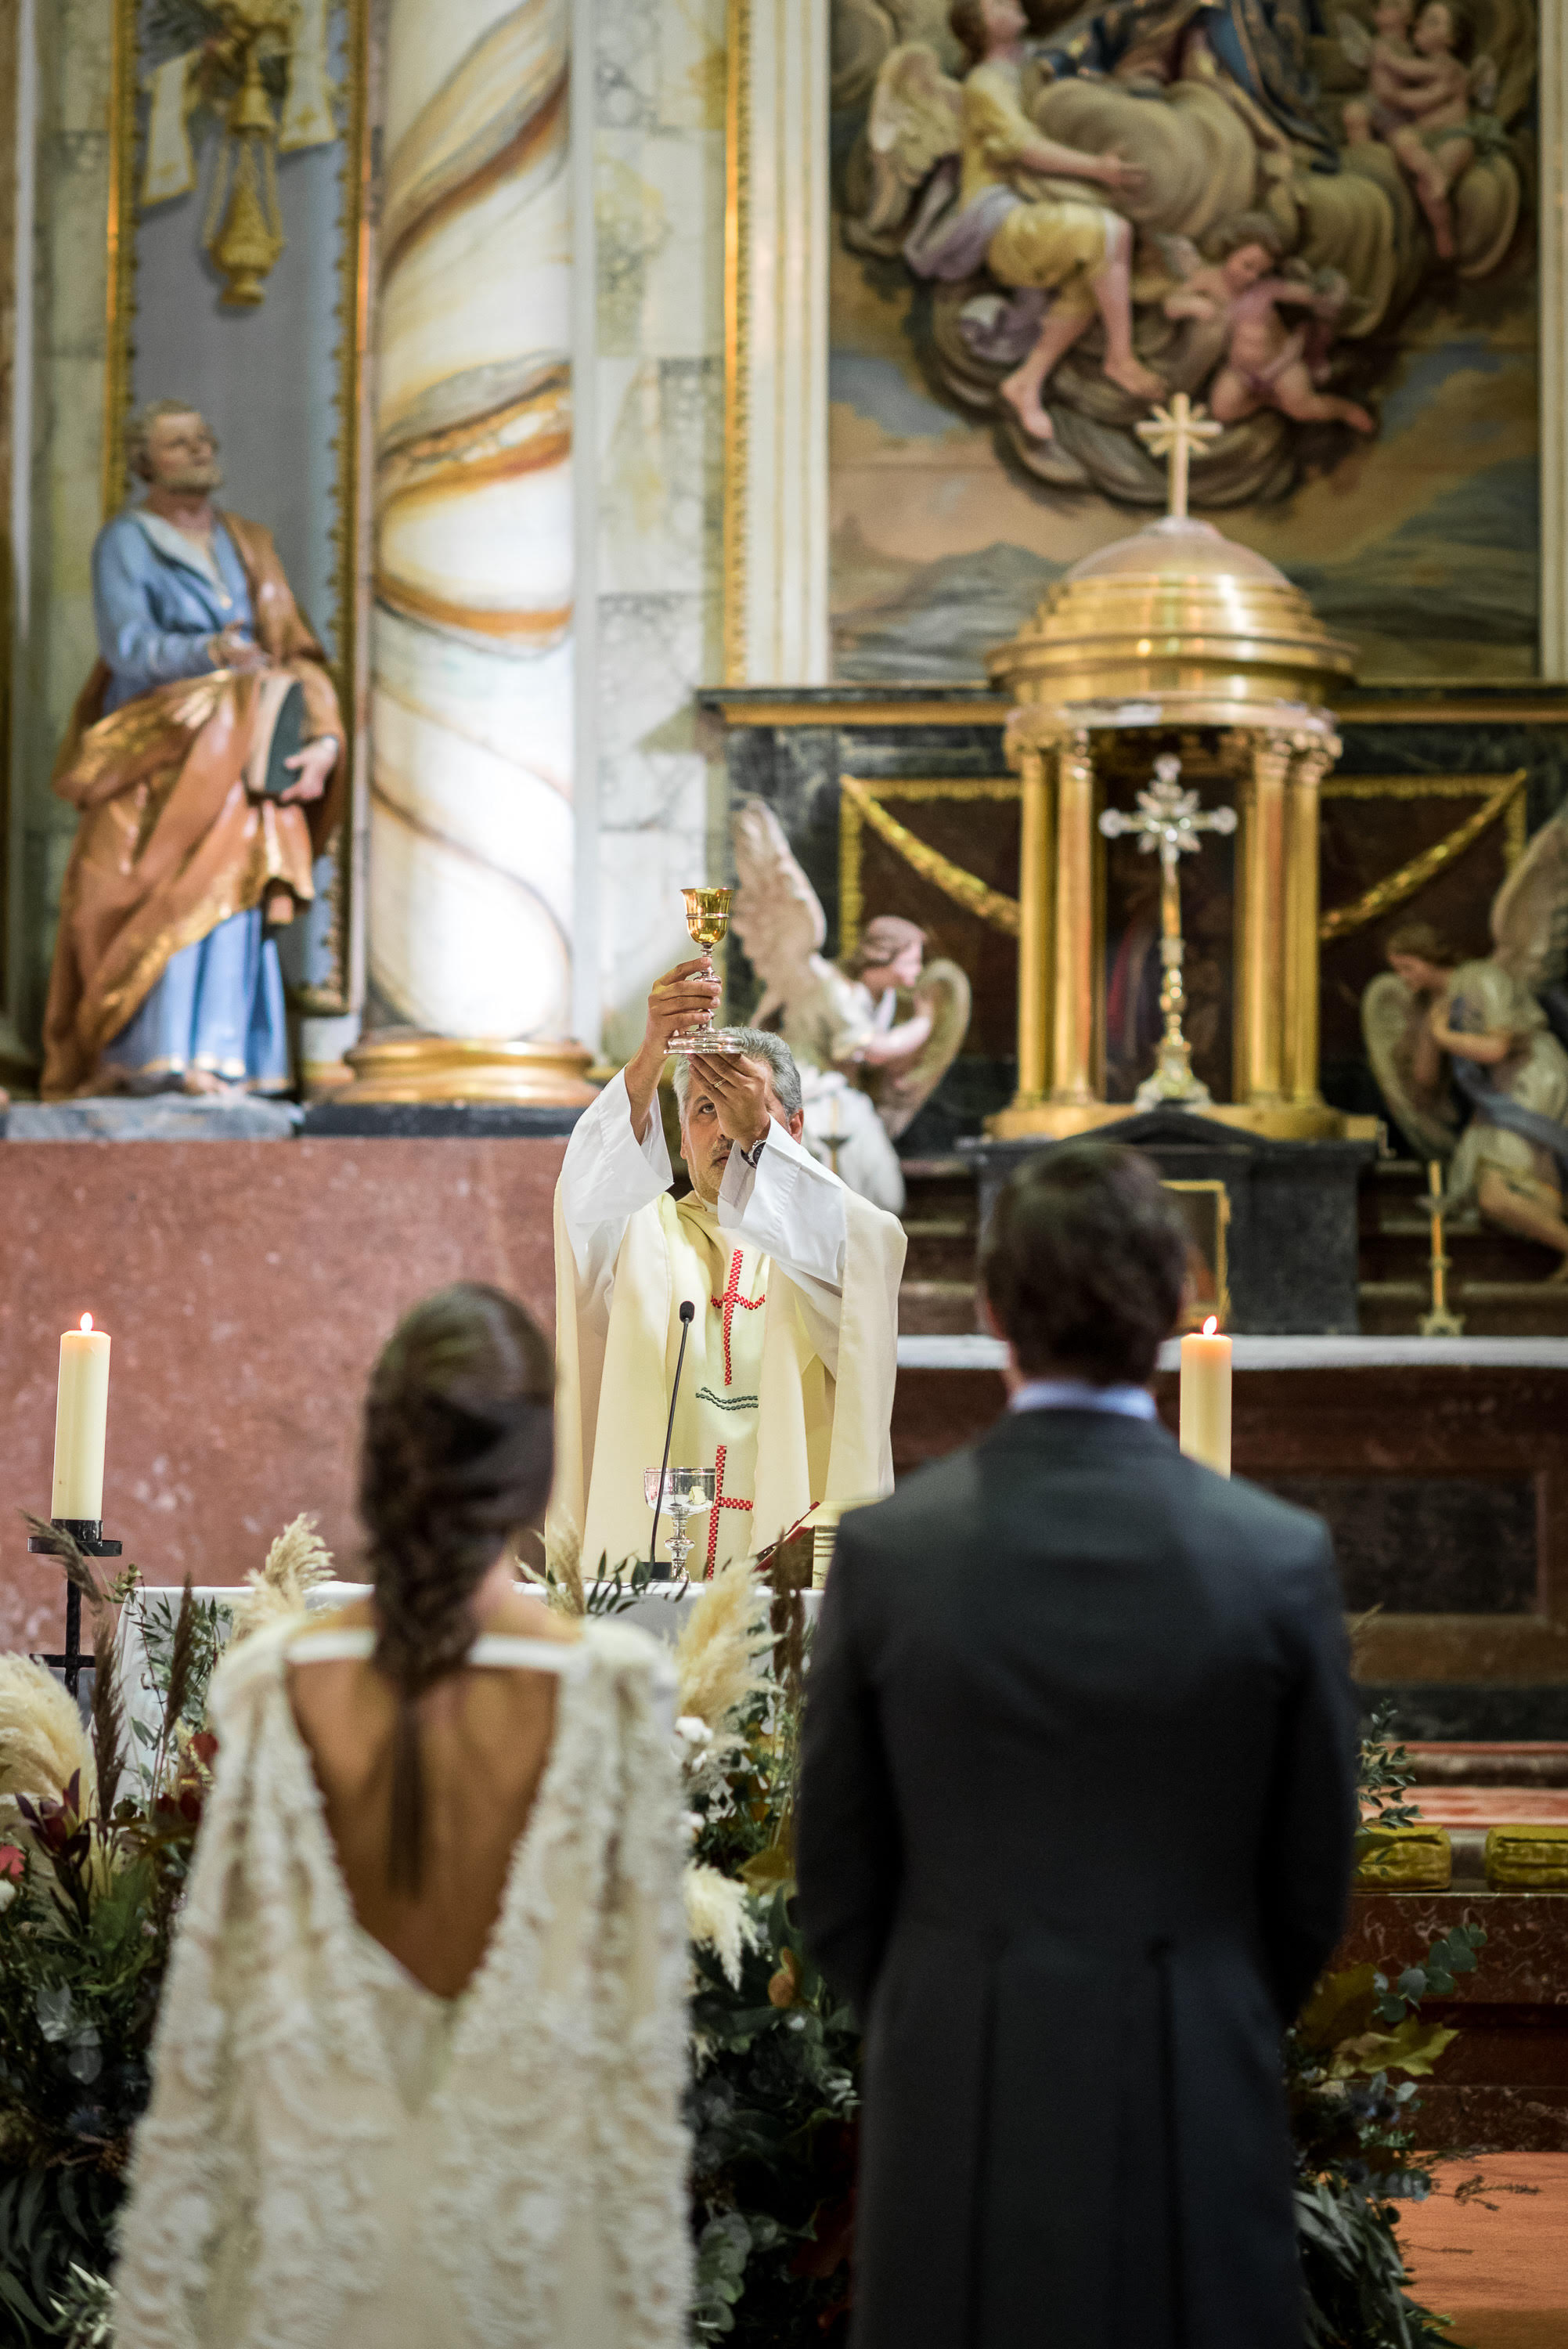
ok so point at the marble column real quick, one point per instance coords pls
(472, 827)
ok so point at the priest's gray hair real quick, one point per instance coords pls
(757, 1044)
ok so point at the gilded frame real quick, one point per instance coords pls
(851, 827)
(1509, 791)
(349, 502)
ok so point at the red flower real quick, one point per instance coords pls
(205, 1746)
(13, 1866)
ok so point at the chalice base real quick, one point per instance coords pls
(708, 1039)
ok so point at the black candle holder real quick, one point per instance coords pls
(87, 1533)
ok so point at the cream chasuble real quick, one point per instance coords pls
(787, 1392)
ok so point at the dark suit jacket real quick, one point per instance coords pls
(1075, 1835)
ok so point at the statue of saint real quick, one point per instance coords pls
(206, 755)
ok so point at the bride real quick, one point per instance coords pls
(418, 2071)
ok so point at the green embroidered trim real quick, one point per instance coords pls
(726, 1402)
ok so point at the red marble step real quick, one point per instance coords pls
(1491, 1806)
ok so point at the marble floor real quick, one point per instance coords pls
(1491, 2250)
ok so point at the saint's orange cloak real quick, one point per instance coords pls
(172, 843)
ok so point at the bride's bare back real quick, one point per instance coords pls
(485, 1740)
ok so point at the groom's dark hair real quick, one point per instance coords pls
(1084, 1263)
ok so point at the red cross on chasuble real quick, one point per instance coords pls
(715, 1415)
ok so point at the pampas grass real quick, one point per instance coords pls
(107, 1717)
(717, 1916)
(295, 1563)
(43, 1745)
(563, 1570)
(724, 1636)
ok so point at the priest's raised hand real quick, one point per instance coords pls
(770, 1248)
(677, 1001)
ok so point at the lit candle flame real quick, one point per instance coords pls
(1210, 1326)
(86, 1321)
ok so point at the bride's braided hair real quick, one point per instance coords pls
(457, 1459)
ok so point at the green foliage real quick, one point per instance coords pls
(84, 1943)
(1353, 2126)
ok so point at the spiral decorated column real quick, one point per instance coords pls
(471, 829)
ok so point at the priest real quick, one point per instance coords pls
(786, 1388)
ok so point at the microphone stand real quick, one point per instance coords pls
(688, 1313)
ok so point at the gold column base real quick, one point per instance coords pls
(399, 1065)
(1276, 1122)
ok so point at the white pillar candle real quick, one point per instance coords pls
(81, 1422)
(1206, 1398)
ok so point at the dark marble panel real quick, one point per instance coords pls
(442, 1121)
(1494, 1713)
(974, 1089)
(1470, 730)
(1293, 1244)
(1429, 1545)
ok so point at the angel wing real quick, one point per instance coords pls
(1354, 41)
(1484, 79)
(776, 913)
(913, 122)
(1390, 1018)
(942, 989)
(1530, 912)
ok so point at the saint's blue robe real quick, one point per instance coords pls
(218, 1005)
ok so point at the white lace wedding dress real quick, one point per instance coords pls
(333, 2158)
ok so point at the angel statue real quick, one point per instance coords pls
(1445, 1036)
(865, 1069)
(993, 205)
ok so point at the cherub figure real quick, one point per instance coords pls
(1073, 251)
(1267, 362)
(1378, 111)
(1438, 1027)
(1429, 106)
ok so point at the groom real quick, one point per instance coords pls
(1074, 1829)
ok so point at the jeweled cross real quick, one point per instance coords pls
(1169, 820)
(728, 1303)
(719, 1503)
(1179, 432)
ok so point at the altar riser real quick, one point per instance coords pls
(1503, 2083)
(1448, 1487)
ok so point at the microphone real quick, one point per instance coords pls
(688, 1314)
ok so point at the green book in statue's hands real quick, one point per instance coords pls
(281, 725)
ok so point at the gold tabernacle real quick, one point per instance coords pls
(1175, 639)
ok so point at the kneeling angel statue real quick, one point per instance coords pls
(874, 1034)
(1448, 1037)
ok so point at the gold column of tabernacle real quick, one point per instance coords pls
(1035, 927)
(1260, 989)
(1072, 1003)
(1307, 769)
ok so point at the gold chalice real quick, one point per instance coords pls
(706, 920)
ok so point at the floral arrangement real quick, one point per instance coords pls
(98, 1822)
(1352, 2126)
(96, 1841)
